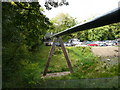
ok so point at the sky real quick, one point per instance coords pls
(82, 9)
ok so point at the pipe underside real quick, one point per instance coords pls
(108, 18)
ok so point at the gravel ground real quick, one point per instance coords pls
(106, 51)
(108, 54)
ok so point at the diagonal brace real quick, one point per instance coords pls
(51, 53)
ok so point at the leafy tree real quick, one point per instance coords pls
(23, 28)
(61, 22)
(54, 3)
(107, 32)
(27, 25)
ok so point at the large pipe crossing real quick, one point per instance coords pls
(108, 18)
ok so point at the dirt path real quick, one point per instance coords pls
(57, 74)
(106, 51)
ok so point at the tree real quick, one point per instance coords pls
(107, 32)
(62, 22)
(27, 23)
(23, 28)
(54, 3)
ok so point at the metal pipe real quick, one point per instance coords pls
(108, 18)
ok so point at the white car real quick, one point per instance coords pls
(102, 44)
(80, 45)
(110, 44)
(67, 44)
(74, 42)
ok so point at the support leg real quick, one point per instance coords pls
(49, 57)
(66, 55)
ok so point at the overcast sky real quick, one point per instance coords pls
(83, 9)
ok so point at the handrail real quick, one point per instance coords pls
(108, 18)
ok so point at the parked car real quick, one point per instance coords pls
(102, 44)
(92, 44)
(67, 44)
(119, 42)
(57, 44)
(110, 44)
(87, 42)
(81, 45)
(74, 42)
(115, 42)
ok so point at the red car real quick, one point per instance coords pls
(92, 45)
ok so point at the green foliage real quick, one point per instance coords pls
(24, 57)
(24, 26)
(85, 65)
(27, 25)
(61, 22)
(108, 32)
(29, 72)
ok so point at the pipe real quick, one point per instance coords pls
(108, 18)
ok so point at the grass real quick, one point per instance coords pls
(77, 55)
(84, 63)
